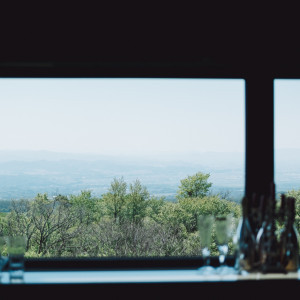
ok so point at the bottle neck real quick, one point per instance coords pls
(290, 212)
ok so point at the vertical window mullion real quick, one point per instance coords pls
(259, 135)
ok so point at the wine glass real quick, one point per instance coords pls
(205, 225)
(16, 251)
(2, 257)
(224, 231)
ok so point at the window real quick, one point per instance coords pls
(287, 148)
(286, 134)
(258, 174)
(101, 162)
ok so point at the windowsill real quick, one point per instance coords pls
(126, 270)
(146, 276)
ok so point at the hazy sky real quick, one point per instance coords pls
(287, 111)
(122, 116)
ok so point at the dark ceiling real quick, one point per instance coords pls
(196, 45)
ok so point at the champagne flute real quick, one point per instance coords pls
(16, 251)
(224, 231)
(2, 257)
(205, 225)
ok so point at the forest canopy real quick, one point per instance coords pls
(125, 221)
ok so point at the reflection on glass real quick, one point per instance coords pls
(16, 250)
(224, 231)
(2, 257)
(205, 225)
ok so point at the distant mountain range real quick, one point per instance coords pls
(287, 169)
(23, 174)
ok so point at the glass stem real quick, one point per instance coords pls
(223, 249)
(206, 256)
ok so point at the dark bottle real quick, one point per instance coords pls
(255, 219)
(289, 239)
(267, 243)
(245, 252)
(282, 210)
(255, 214)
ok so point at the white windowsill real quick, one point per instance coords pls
(160, 276)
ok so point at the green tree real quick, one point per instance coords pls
(154, 206)
(208, 205)
(136, 202)
(83, 225)
(194, 186)
(86, 206)
(19, 221)
(115, 198)
(173, 214)
(54, 222)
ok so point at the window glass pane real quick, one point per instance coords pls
(287, 144)
(287, 128)
(118, 167)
